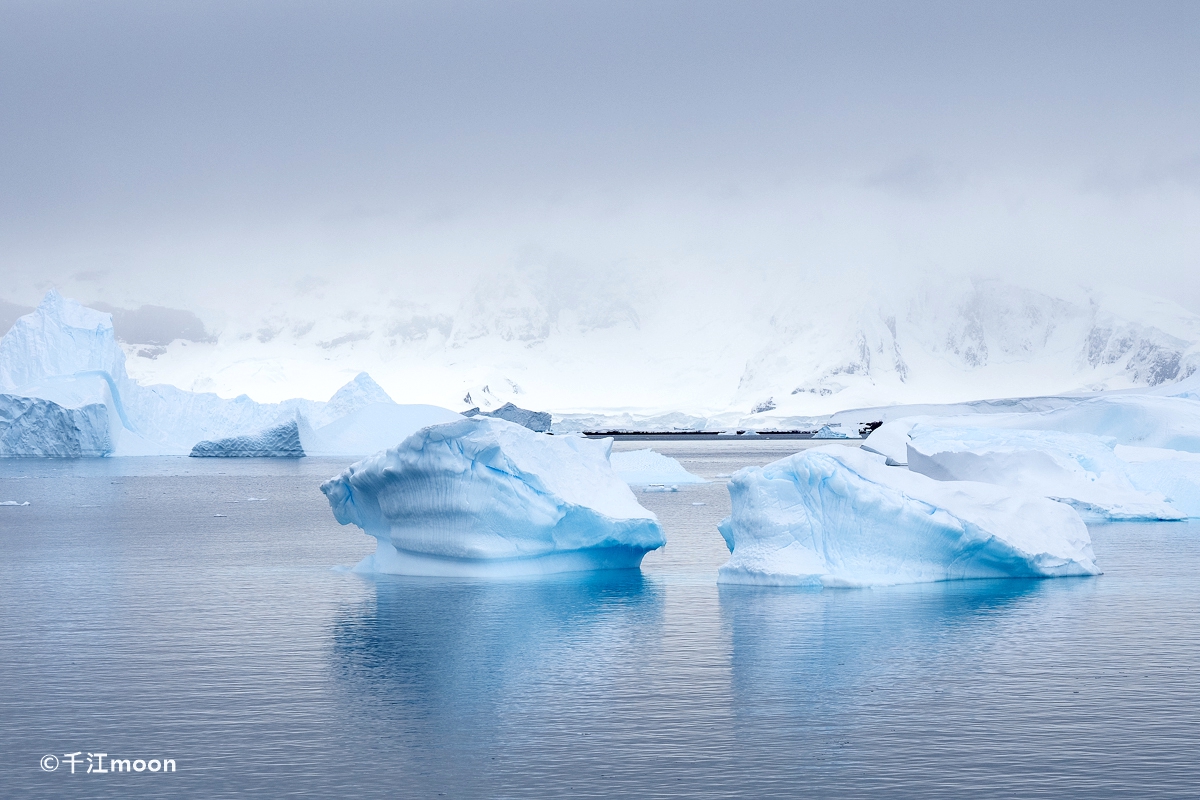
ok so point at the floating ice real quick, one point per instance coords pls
(33, 427)
(282, 441)
(68, 355)
(831, 432)
(645, 467)
(1173, 473)
(838, 516)
(13, 503)
(486, 497)
(1077, 469)
(538, 421)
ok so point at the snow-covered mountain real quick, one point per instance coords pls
(750, 353)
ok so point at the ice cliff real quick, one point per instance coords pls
(839, 516)
(486, 497)
(33, 426)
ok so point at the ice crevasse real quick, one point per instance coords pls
(839, 516)
(483, 497)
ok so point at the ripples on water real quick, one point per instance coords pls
(138, 623)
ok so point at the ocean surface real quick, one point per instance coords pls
(186, 609)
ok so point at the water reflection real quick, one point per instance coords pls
(431, 659)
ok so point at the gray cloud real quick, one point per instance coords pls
(175, 153)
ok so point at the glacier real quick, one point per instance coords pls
(67, 355)
(1077, 469)
(647, 467)
(282, 441)
(838, 516)
(483, 497)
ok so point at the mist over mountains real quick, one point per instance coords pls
(766, 350)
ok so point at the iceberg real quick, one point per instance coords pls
(1077, 469)
(831, 432)
(282, 441)
(483, 497)
(32, 427)
(68, 354)
(538, 421)
(646, 467)
(1172, 473)
(839, 516)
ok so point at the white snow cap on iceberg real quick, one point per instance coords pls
(1074, 468)
(486, 497)
(838, 516)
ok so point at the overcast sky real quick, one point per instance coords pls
(176, 152)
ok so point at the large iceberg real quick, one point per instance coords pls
(68, 355)
(1137, 420)
(1074, 468)
(839, 516)
(486, 497)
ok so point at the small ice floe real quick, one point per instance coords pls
(723, 475)
(648, 468)
(660, 487)
(700, 503)
(220, 515)
(256, 499)
(13, 503)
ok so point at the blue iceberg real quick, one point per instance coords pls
(282, 441)
(489, 498)
(839, 516)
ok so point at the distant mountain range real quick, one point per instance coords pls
(744, 355)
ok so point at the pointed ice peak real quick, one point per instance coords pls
(60, 337)
(71, 313)
(360, 392)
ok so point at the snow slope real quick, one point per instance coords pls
(838, 516)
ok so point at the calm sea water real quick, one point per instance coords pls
(151, 610)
